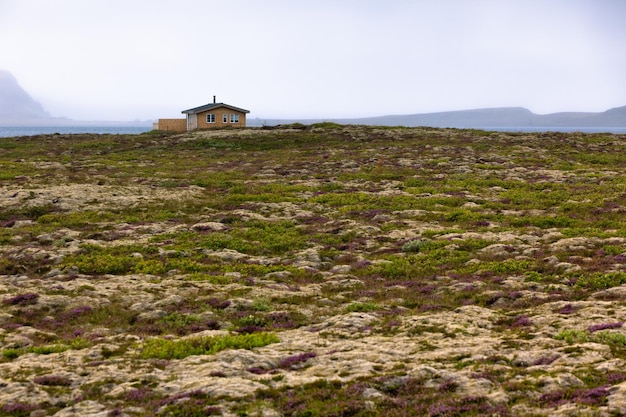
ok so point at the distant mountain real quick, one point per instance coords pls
(613, 117)
(497, 117)
(503, 117)
(16, 105)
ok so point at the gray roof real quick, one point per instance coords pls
(210, 106)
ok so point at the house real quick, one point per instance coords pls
(205, 117)
(215, 115)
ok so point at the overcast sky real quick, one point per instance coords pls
(145, 59)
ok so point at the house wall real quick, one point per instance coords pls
(172, 125)
(192, 122)
(218, 112)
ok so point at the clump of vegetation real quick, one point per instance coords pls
(179, 349)
(414, 246)
(22, 299)
(53, 380)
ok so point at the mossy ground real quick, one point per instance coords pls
(112, 245)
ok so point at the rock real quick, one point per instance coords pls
(308, 258)
(338, 281)
(3, 318)
(341, 269)
(84, 409)
(269, 412)
(151, 315)
(281, 275)
(45, 239)
(34, 333)
(551, 260)
(552, 236)
(574, 244)
(614, 293)
(567, 380)
(209, 226)
(372, 393)
(498, 250)
(171, 253)
(617, 400)
(350, 324)
(15, 341)
(568, 267)
(227, 255)
(141, 306)
(173, 299)
(55, 272)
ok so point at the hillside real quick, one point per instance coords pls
(313, 271)
(16, 105)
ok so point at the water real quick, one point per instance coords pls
(530, 129)
(11, 131)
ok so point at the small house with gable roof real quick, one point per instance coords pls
(209, 116)
(215, 115)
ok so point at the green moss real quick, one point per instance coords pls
(179, 349)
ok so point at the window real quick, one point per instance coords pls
(224, 118)
(234, 118)
(210, 118)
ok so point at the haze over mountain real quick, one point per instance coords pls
(502, 117)
(16, 105)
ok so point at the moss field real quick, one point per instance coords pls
(319, 270)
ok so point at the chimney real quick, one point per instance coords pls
(213, 99)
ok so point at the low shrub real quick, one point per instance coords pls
(617, 340)
(53, 380)
(601, 281)
(17, 409)
(22, 299)
(604, 326)
(586, 396)
(414, 246)
(296, 360)
(573, 336)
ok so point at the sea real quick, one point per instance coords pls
(7, 131)
(531, 129)
(13, 131)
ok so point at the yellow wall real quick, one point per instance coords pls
(218, 112)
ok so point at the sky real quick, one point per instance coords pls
(150, 59)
